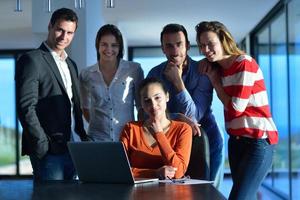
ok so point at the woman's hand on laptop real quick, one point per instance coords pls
(166, 171)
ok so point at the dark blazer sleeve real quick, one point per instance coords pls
(27, 89)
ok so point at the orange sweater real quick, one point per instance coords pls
(172, 148)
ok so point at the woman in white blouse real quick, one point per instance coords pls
(109, 87)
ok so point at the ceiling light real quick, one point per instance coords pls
(110, 3)
(78, 4)
(18, 6)
(49, 9)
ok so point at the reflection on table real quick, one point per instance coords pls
(56, 190)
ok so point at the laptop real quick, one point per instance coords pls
(103, 162)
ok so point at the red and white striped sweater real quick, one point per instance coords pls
(248, 114)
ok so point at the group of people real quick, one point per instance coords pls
(51, 99)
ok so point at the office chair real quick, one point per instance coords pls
(198, 167)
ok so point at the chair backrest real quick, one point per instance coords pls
(198, 167)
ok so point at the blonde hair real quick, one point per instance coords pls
(225, 37)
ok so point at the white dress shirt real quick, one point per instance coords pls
(111, 107)
(66, 77)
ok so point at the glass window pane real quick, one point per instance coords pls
(7, 117)
(279, 98)
(264, 57)
(294, 74)
(24, 162)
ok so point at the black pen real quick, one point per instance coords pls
(176, 181)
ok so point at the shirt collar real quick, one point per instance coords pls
(55, 55)
(95, 67)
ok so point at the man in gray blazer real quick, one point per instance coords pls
(48, 102)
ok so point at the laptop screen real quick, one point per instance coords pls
(104, 162)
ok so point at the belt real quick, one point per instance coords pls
(237, 137)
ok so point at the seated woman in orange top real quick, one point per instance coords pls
(157, 147)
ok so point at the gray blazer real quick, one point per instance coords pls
(43, 106)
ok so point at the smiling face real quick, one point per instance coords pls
(174, 46)
(60, 35)
(108, 48)
(210, 46)
(154, 100)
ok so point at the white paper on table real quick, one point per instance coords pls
(185, 181)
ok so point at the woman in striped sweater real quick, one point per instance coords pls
(240, 86)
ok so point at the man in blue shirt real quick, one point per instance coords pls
(190, 92)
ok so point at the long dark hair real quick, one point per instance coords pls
(152, 80)
(110, 29)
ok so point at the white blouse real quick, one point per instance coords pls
(111, 107)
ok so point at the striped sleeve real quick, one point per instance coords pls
(244, 83)
(248, 113)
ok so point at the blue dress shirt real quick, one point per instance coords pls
(195, 101)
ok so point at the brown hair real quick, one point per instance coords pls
(225, 37)
(151, 80)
